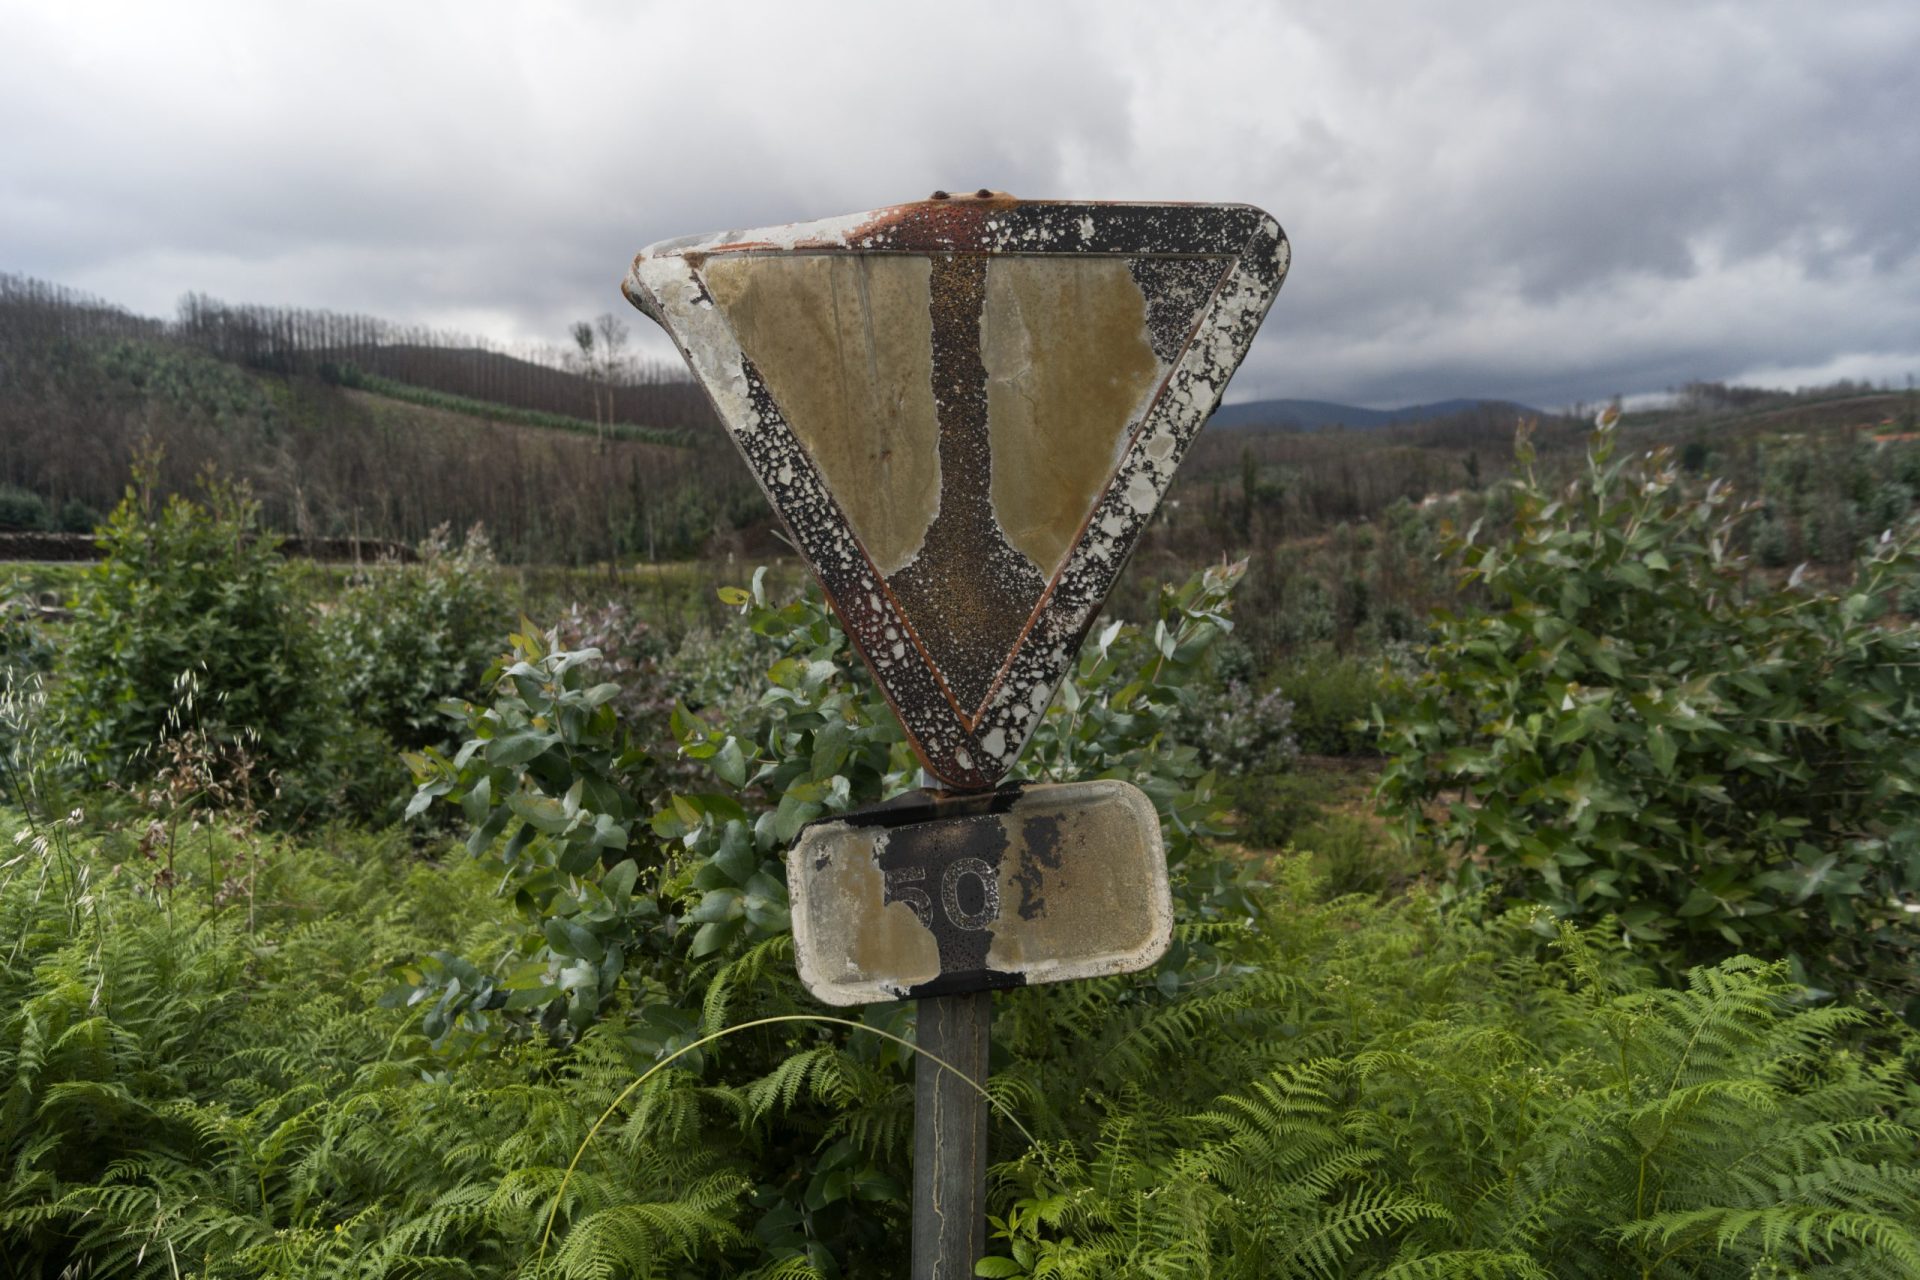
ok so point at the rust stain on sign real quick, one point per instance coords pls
(969, 592)
(966, 410)
(937, 894)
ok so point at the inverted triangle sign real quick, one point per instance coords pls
(966, 411)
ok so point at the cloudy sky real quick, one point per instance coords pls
(1545, 201)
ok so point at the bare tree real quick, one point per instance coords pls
(601, 355)
(583, 338)
(614, 360)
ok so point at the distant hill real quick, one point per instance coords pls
(1313, 415)
(653, 402)
(350, 427)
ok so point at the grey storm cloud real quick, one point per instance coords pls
(1548, 202)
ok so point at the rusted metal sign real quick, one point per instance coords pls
(966, 410)
(935, 894)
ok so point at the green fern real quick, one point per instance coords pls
(1302, 1088)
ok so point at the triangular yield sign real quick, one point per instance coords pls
(966, 410)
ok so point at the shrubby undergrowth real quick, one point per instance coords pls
(191, 622)
(577, 1047)
(1342, 1088)
(1642, 728)
(404, 637)
(194, 629)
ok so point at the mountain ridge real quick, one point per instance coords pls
(1314, 415)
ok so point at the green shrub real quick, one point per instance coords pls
(1636, 728)
(1902, 460)
(668, 927)
(1352, 852)
(1772, 542)
(1354, 855)
(24, 645)
(548, 765)
(636, 656)
(1274, 807)
(1333, 697)
(78, 517)
(22, 510)
(1239, 731)
(1307, 615)
(354, 775)
(1891, 503)
(191, 622)
(406, 637)
(1833, 531)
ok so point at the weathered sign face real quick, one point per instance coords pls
(937, 894)
(966, 410)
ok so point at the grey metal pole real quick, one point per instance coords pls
(950, 1137)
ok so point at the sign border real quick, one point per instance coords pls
(971, 752)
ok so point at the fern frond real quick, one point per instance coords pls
(1467, 1264)
(1369, 1212)
(1808, 1230)
(636, 1240)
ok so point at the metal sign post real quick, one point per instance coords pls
(962, 893)
(966, 410)
(950, 1135)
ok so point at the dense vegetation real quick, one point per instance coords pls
(1545, 840)
(188, 627)
(1339, 1088)
(1638, 727)
(550, 1026)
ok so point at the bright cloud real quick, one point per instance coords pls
(1549, 202)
